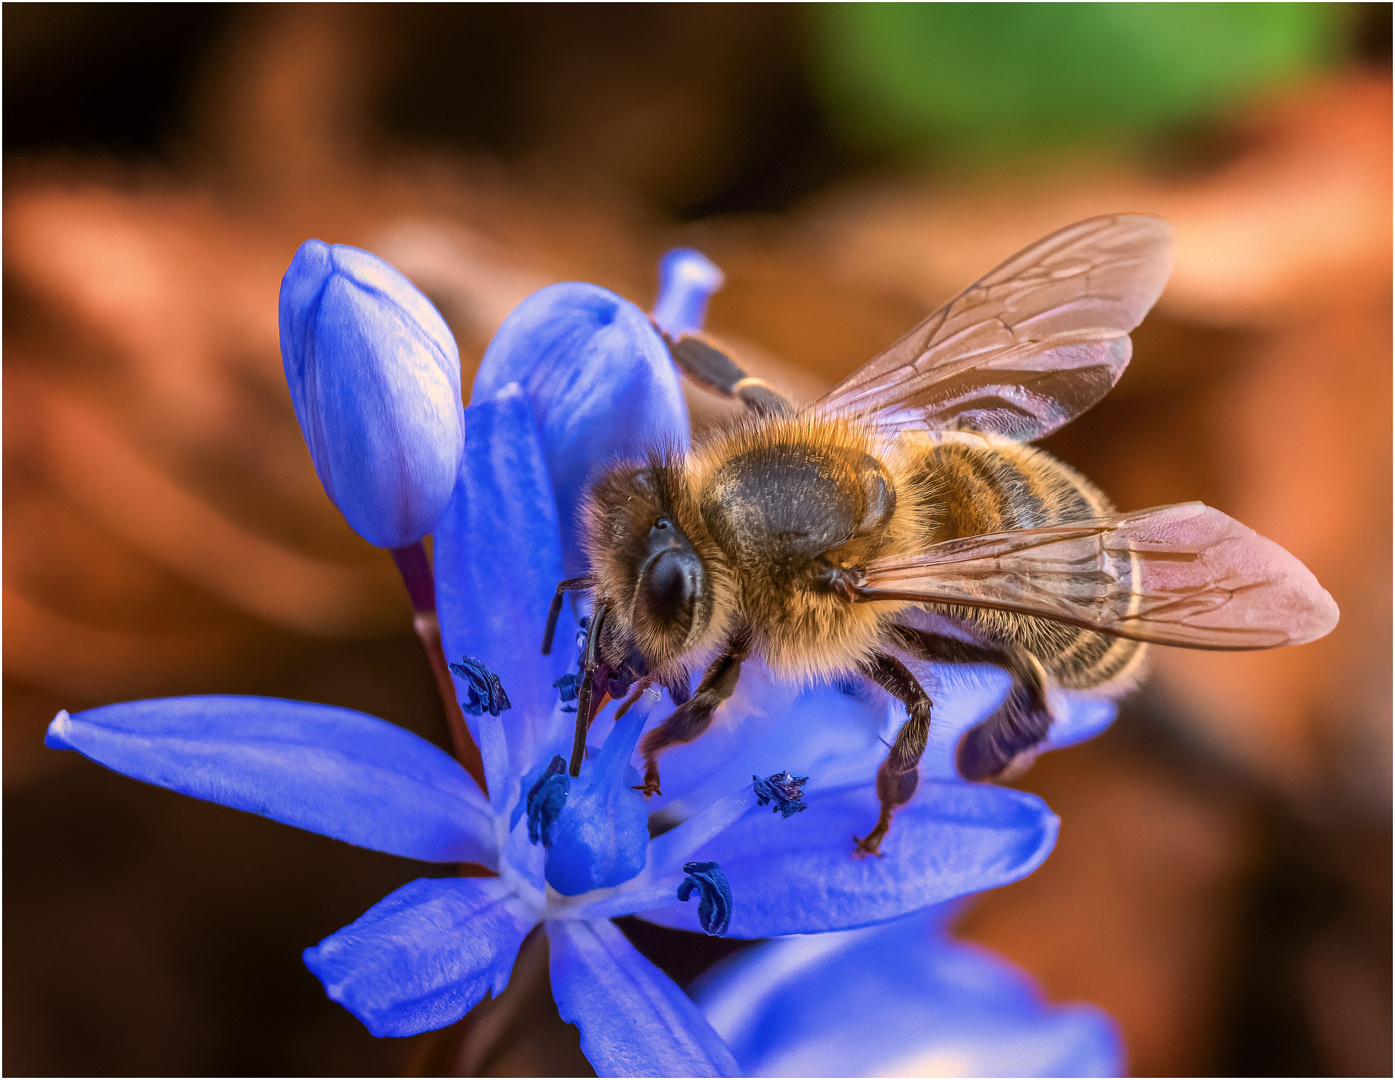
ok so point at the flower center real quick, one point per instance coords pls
(599, 833)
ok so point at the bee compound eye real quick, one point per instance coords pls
(668, 590)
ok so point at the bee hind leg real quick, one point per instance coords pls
(1012, 733)
(692, 717)
(1004, 744)
(899, 773)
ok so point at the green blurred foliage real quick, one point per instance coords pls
(993, 80)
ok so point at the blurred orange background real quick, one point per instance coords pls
(1222, 881)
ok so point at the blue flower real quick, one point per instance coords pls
(374, 376)
(897, 1000)
(431, 950)
(576, 377)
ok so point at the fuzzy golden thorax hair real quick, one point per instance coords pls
(782, 500)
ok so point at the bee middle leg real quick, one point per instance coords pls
(692, 718)
(899, 773)
(1018, 725)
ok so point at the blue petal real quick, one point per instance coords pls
(800, 876)
(634, 1021)
(897, 1000)
(424, 956)
(838, 734)
(834, 734)
(602, 834)
(768, 727)
(374, 376)
(687, 280)
(333, 771)
(1076, 717)
(498, 560)
(601, 383)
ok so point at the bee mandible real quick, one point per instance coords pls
(904, 514)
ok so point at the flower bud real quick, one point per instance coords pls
(687, 280)
(374, 375)
(601, 384)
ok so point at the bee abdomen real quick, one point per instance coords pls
(976, 489)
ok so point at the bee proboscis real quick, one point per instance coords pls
(905, 514)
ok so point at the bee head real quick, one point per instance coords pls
(642, 558)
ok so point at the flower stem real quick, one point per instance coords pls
(415, 569)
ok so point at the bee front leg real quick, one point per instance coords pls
(899, 774)
(691, 718)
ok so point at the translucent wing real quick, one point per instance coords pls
(1028, 347)
(1177, 575)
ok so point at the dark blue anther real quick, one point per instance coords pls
(482, 690)
(714, 895)
(784, 790)
(567, 686)
(546, 798)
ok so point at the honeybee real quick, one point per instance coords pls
(904, 514)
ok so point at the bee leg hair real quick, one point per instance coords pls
(899, 774)
(1019, 724)
(714, 369)
(691, 718)
(634, 695)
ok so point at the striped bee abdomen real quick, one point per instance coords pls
(976, 488)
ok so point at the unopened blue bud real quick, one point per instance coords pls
(714, 895)
(784, 790)
(483, 690)
(687, 280)
(374, 375)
